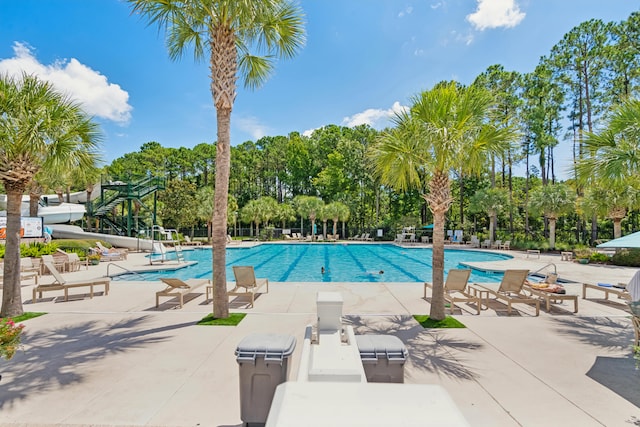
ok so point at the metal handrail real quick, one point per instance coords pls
(124, 268)
(555, 270)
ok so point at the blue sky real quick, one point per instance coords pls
(362, 59)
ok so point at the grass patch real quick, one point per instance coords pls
(232, 320)
(26, 316)
(447, 322)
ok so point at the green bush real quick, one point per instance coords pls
(627, 257)
(33, 249)
(267, 233)
(583, 253)
(81, 247)
(599, 257)
(37, 249)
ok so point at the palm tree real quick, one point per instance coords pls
(251, 213)
(553, 200)
(335, 210)
(491, 201)
(204, 211)
(285, 213)
(446, 128)
(611, 201)
(39, 128)
(326, 213)
(309, 207)
(228, 30)
(343, 215)
(268, 209)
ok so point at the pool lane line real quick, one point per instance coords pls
(293, 265)
(240, 261)
(326, 276)
(355, 259)
(402, 270)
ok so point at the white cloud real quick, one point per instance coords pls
(467, 39)
(252, 126)
(375, 118)
(309, 132)
(407, 11)
(496, 13)
(88, 87)
(437, 5)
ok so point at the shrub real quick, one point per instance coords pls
(582, 253)
(81, 247)
(9, 337)
(627, 257)
(599, 257)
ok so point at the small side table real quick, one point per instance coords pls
(566, 256)
(481, 293)
(533, 252)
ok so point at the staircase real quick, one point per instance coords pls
(114, 194)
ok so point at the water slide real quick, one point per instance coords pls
(63, 231)
(58, 212)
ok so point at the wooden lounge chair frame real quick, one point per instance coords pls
(456, 284)
(549, 297)
(112, 254)
(510, 290)
(619, 292)
(178, 288)
(189, 242)
(246, 283)
(64, 285)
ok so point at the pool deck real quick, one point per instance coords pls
(117, 360)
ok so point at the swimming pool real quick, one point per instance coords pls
(341, 262)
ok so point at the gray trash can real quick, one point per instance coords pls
(263, 361)
(383, 358)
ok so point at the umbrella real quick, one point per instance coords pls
(628, 241)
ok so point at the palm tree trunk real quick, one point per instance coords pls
(437, 274)
(11, 294)
(492, 221)
(439, 199)
(552, 233)
(617, 228)
(219, 234)
(34, 204)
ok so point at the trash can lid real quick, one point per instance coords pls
(374, 346)
(270, 346)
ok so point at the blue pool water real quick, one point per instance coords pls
(341, 263)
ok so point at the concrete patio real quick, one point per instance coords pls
(119, 360)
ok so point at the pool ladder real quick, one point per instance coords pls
(555, 270)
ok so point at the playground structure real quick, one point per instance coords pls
(134, 216)
(114, 212)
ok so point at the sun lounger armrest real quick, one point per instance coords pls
(427, 285)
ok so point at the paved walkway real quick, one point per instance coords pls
(119, 360)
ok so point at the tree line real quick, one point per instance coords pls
(455, 146)
(569, 100)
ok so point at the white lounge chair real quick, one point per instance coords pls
(178, 288)
(455, 289)
(61, 283)
(510, 290)
(246, 283)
